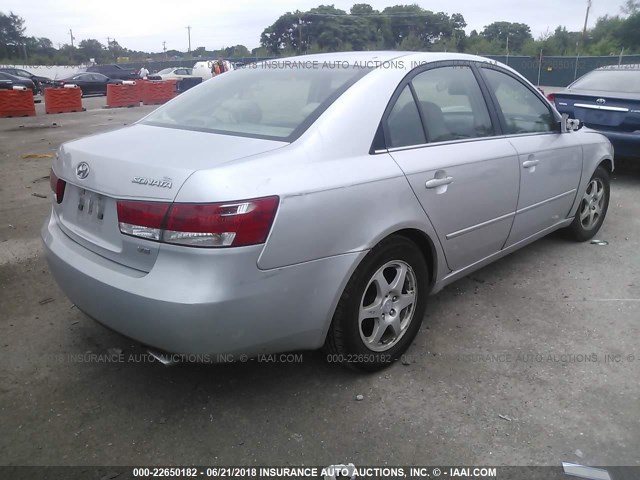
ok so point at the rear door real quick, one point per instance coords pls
(550, 162)
(443, 136)
(86, 83)
(99, 83)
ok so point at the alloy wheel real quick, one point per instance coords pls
(387, 306)
(592, 204)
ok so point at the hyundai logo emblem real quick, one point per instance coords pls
(82, 170)
(601, 101)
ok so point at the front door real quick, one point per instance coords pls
(550, 162)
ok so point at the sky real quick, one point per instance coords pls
(145, 24)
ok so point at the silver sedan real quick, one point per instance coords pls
(316, 201)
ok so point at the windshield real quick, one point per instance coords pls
(623, 81)
(165, 71)
(262, 102)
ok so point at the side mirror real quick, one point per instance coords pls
(570, 124)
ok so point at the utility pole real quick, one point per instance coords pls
(300, 44)
(72, 37)
(164, 49)
(507, 61)
(188, 27)
(586, 19)
(584, 33)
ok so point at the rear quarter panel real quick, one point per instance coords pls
(335, 197)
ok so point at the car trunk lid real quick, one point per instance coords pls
(142, 162)
(601, 110)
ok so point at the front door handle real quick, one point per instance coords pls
(530, 163)
(438, 182)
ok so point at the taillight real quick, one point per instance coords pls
(142, 219)
(57, 186)
(228, 224)
(551, 97)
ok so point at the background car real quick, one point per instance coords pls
(90, 83)
(40, 82)
(607, 100)
(172, 73)
(328, 204)
(25, 82)
(114, 71)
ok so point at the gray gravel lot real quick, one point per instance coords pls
(510, 367)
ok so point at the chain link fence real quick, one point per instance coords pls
(551, 72)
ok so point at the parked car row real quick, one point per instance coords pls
(90, 83)
(39, 82)
(8, 78)
(172, 73)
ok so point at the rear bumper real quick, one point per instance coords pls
(206, 302)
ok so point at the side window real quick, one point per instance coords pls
(523, 111)
(404, 125)
(452, 104)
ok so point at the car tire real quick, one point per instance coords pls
(391, 285)
(593, 207)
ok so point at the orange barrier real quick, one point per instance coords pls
(157, 92)
(16, 103)
(62, 100)
(122, 96)
(140, 88)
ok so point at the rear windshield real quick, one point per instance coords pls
(276, 102)
(624, 81)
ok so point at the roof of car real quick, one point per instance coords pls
(7, 74)
(379, 57)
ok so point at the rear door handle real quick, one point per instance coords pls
(530, 163)
(438, 182)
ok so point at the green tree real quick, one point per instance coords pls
(237, 51)
(362, 9)
(11, 35)
(115, 50)
(517, 33)
(92, 48)
(412, 43)
(631, 7)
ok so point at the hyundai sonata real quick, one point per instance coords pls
(316, 201)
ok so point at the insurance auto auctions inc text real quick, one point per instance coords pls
(343, 471)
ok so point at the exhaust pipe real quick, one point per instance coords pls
(164, 358)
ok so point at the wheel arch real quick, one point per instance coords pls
(426, 246)
(594, 155)
(607, 163)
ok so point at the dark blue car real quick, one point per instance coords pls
(607, 100)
